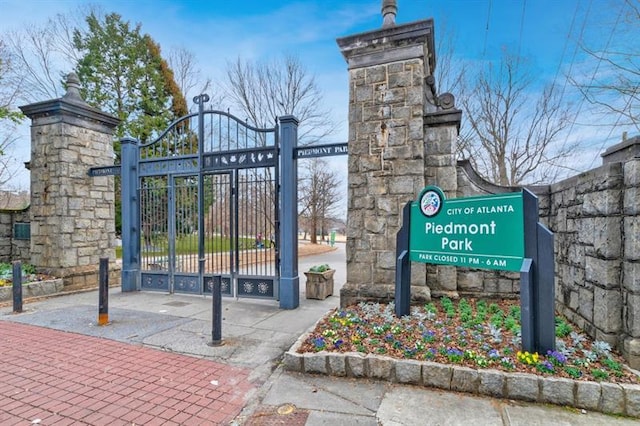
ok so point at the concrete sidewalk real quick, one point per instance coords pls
(256, 333)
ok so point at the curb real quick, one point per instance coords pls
(33, 289)
(609, 398)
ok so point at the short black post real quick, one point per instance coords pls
(17, 286)
(545, 303)
(527, 307)
(103, 309)
(403, 265)
(216, 323)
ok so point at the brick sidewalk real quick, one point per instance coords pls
(50, 377)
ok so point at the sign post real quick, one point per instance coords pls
(497, 232)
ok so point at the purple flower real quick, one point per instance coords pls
(338, 343)
(493, 353)
(319, 342)
(454, 351)
(556, 357)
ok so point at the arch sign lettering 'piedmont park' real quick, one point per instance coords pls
(475, 232)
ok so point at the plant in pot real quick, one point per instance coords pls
(319, 282)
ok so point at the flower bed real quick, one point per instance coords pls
(469, 333)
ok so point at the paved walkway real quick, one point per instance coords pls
(59, 378)
(151, 365)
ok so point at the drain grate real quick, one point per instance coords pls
(176, 304)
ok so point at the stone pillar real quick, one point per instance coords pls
(630, 339)
(72, 214)
(441, 129)
(388, 94)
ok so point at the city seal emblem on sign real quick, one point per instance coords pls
(431, 202)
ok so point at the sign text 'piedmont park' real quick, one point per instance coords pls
(474, 232)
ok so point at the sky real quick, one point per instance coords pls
(546, 32)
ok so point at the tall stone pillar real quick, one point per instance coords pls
(388, 96)
(72, 214)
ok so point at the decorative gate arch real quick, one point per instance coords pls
(212, 196)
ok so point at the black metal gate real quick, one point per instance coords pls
(208, 200)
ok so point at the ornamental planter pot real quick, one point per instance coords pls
(319, 284)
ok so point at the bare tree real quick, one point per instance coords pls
(43, 54)
(512, 133)
(188, 76)
(264, 91)
(450, 70)
(319, 195)
(614, 85)
(10, 89)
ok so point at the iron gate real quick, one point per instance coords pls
(207, 204)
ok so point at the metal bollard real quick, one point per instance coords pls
(103, 308)
(216, 323)
(17, 286)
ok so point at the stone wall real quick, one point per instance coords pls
(595, 220)
(10, 248)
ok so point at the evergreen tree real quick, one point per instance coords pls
(123, 73)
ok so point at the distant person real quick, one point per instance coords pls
(259, 242)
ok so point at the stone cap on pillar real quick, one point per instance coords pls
(70, 108)
(622, 152)
(390, 43)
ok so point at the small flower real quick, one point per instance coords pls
(556, 358)
(545, 367)
(507, 363)
(428, 336)
(338, 343)
(528, 358)
(493, 354)
(454, 355)
(319, 343)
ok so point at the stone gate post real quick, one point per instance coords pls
(399, 141)
(72, 214)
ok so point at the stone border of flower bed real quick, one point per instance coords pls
(611, 398)
(33, 289)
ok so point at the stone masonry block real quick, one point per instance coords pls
(381, 367)
(607, 241)
(377, 74)
(611, 398)
(337, 364)
(363, 94)
(631, 352)
(632, 173)
(632, 324)
(315, 362)
(558, 391)
(631, 204)
(632, 238)
(437, 375)
(603, 273)
(469, 281)
(293, 361)
(607, 202)
(607, 309)
(409, 371)
(523, 386)
(465, 379)
(631, 399)
(355, 365)
(588, 395)
(491, 383)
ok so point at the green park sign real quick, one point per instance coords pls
(474, 232)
